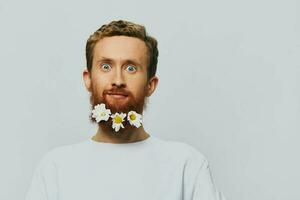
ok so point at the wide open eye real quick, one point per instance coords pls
(131, 68)
(105, 67)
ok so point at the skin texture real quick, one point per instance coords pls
(120, 65)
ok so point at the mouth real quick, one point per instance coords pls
(117, 95)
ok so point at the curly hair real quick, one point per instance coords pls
(124, 28)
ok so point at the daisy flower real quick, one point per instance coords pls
(134, 119)
(117, 121)
(101, 113)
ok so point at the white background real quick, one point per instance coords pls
(229, 85)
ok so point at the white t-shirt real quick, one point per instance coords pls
(152, 169)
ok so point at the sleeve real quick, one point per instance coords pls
(198, 180)
(43, 185)
(205, 188)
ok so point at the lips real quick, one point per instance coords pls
(118, 95)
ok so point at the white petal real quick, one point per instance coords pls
(123, 115)
(102, 106)
(130, 122)
(117, 128)
(137, 124)
(106, 117)
(139, 116)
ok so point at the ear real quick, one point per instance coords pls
(151, 86)
(87, 80)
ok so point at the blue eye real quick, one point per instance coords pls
(131, 68)
(106, 67)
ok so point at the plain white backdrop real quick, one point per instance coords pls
(229, 85)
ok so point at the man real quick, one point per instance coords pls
(122, 161)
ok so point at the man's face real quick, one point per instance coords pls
(119, 74)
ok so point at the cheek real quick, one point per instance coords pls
(138, 88)
(100, 80)
(98, 86)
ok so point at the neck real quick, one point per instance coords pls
(126, 136)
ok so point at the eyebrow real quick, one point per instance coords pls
(130, 61)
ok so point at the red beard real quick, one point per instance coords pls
(117, 105)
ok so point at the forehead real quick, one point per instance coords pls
(121, 48)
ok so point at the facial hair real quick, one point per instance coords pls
(137, 104)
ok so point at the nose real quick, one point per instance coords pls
(118, 79)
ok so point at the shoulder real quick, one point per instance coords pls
(60, 153)
(184, 151)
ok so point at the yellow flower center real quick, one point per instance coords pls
(103, 114)
(118, 119)
(132, 117)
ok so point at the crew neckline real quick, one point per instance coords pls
(147, 140)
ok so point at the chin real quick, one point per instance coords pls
(118, 107)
